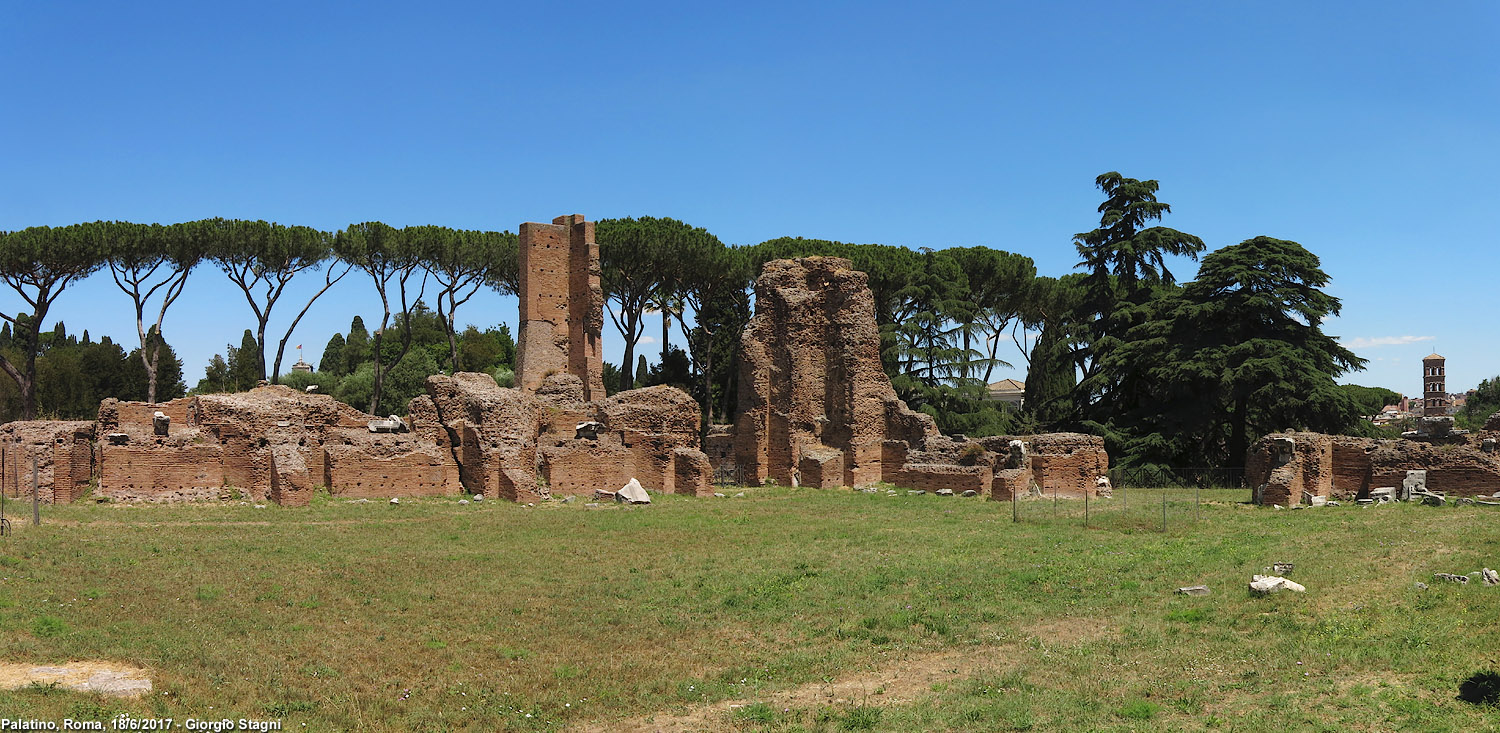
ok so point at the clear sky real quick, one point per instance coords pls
(1365, 131)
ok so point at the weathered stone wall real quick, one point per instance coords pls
(817, 409)
(811, 378)
(64, 454)
(162, 471)
(1065, 464)
(562, 305)
(271, 443)
(1337, 466)
(525, 447)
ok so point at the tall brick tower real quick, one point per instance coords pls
(1434, 386)
(562, 305)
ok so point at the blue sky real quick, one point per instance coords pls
(1366, 131)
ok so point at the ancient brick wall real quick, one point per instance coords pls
(933, 476)
(64, 455)
(562, 305)
(1337, 466)
(403, 471)
(496, 429)
(811, 378)
(160, 471)
(580, 467)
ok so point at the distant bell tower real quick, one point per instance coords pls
(1434, 386)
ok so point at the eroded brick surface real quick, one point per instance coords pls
(1282, 467)
(817, 409)
(63, 450)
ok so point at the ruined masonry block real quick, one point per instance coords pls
(562, 305)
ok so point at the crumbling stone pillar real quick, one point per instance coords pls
(562, 305)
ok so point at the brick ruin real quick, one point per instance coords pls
(817, 409)
(556, 434)
(562, 305)
(1289, 468)
(64, 455)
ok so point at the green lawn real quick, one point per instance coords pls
(432, 615)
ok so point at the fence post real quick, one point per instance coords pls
(36, 498)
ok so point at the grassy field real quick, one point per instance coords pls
(432, 615)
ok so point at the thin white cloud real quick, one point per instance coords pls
(1365, 343)
(644, 340)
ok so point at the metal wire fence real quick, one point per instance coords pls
(1149, 498)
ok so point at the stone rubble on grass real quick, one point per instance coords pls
(1194, 590)
(463, 501)
(1450, 577)
(869, 490)
(740, 495)
(945, 492)
(569, 499)
(1332, 503)
(970, 492)
(718, 495)
(479, 497)
(604, 495)
(395, 500)
(1277, 507)
(632, 492)
(1490, 577)
(1420, 585)
(1264, 584)
(1384, 494)
(1281, 568)
(916, 492)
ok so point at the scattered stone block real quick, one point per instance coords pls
(1419, 585)
(1267, 584)
(1194, 590)
(632, 493)
(1451, 578)
(970, 492)
(1282, 568)
(944, 492)
(1490, 577)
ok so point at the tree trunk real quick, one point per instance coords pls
(708, 388)
(1238, 440)
(665, 319)
(24, 385)
(260, 343)
(379, 373)
(627, 364)
(151, 372)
